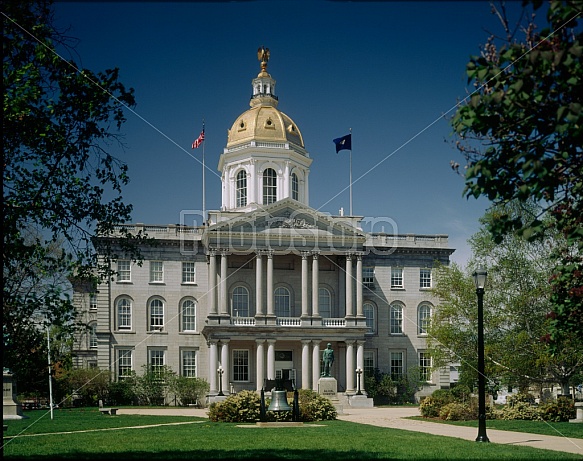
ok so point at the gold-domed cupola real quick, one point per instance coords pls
(265, 159)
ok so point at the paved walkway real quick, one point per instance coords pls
(394, 418)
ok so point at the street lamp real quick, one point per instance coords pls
(220, 371)
(358, 373)
(480, 276)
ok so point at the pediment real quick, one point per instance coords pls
(283, 224)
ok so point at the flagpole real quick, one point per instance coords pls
(203, 182)
(350, 171)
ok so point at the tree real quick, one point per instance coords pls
(516, 302)
(61, 186)
(521, 133)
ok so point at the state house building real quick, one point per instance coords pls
(267, 282)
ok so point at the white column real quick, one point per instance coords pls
(259, 284)
(315, 365)
(271, 359)
(223, 285)
(285, 189)
(359, 311)
(306, 364)
(315, 286)
(225, 364)
(212, 293)
(269, 287)
(305, 287)
(360, 362)
(349, 304)
(260, 360)
(350, 367)
(213, 367)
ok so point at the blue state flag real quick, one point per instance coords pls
(345, 142)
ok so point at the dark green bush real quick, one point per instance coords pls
(560, 410)
(456, 411)
(315, 407)
(512, 400)
(243, 407)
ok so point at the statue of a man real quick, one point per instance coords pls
(328, 360)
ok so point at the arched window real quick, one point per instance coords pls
(188, 311)
(240, 302)
(324, 303)
(282, 302)
(241, 199)
(424, 316)
(269, 186)
(124, 314)
(156, 315)
(396, 313)
(295, 187)
(368, 311)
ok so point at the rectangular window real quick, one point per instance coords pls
(188, 272)
(240, 365)
(156, 271)
(124, 273)
(396, 277)
(93, 336)
(396, 365)
(425, 278)
(92, 301)
(189, 364)
(124, 363)
(369, 365)
(425, 367)
(368, 276)
(156, 360)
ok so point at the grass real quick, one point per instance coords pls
(117, 439)
(572, 431)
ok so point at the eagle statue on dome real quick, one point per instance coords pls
(263, 57)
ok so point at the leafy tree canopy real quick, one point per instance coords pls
(521, 132)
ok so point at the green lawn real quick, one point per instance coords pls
(112, 438)
(566, 429)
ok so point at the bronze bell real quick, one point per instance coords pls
(279, 401)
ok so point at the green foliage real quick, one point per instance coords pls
(383, 389)
(521, 133)
(154, 385)
(520, 410)
(430, 407)
(123, 392)
(242, 407)
(85, 385)
(456, 411)
(190, 391)
(315, 407)
(562, 409)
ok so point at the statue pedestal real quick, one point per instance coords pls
(11, 409)
(328, 387)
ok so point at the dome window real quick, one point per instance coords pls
(269, 124)
(242, 126)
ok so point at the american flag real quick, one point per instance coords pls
(198, 141)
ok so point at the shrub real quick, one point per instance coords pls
(512, 400)
(122, 392)
(461, 393)
(190, 391)
(456, 411)
(384, 389)
(431, 406)
(519, 410)
(315, 407)
(245, 406)
(560, 410)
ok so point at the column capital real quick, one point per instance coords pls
(305, 254)
(212, 251)
(349, 342)
(306, 342)
(225, 341)
(271, 341)
(212, 342)
(349, 256)
(315, 254)
(260, 342)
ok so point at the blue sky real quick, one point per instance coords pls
(389, 71)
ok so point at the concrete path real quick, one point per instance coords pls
(394, 418)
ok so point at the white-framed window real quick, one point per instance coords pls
(124, 270)
(124, 314)
(396, 319)
(188, 272)
(423, 318)
(240, 365)
(241, 189)
(282, 302)
(369, 362)
(369, 314)
(188, 315)
(424, 278)
(156, 360)
(188, 363)
(124, 363)
(93, 335)
(397, 365)
(156, 271)
(156, 315)
(397, 277)
(368, 276)
(425, 367)
(269, 186)
(240, 302)
(92, 301)
(295, 187)
(324, 303)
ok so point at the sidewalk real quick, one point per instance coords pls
(394, 418)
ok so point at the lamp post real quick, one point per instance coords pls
(358, 373)
(480, 276)
(50, 374)
(220, 371)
